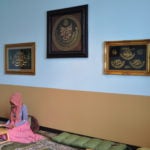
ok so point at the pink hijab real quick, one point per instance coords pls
(15, 99)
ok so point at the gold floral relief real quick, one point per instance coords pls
(127, 57)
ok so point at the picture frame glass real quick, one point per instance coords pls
(19, 58)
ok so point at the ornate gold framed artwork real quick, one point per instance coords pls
(20, 58)
(131, 57)
(67, 32)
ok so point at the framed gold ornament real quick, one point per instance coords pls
(129, 57)
(67, 32)
(20, 58)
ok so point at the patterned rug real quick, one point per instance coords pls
(41, 145)
(45, 144)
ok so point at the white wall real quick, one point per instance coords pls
(25, 21)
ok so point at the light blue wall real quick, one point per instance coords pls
(25, 21)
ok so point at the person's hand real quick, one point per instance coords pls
(9, 126)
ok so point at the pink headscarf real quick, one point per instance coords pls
(15, 99)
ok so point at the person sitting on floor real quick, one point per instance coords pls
(18, 126)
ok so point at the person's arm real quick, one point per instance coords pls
(24, 116)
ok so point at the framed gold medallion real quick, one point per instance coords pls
(67, 32)
(20, 58)
(131, 57)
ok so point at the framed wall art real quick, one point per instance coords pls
(130, 57)
(67, 32)
(20, 58)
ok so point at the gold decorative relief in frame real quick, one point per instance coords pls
(20, 58)
(131, 57)
(67, 32)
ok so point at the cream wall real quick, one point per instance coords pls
(122, 118)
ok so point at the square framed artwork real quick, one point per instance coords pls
(67, 32)
(129, 57)
(20, 58)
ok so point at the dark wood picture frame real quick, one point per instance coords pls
(129, 57)
(67, 32)
(20, 58)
